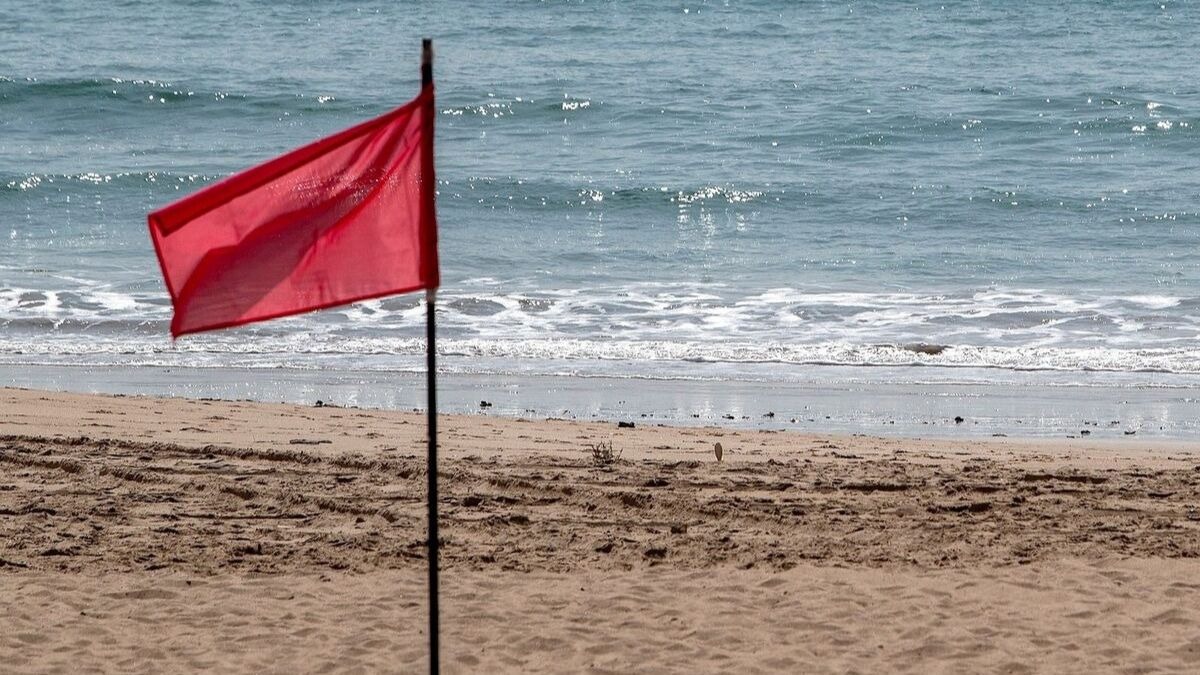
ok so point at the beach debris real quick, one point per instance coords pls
(636, 500)
(967, 507)
(875, 486)
(603, 454)
(657, 481)
(485, 404)
(1130, 432)
(319, 404)
(925, 348)
(1065, 477)
(625, 425)
(249, 549)
(958, 419)
(679, 528)
(1085, 432)
(606, 547)
(656, 552)
(57, 551)
(769, 414)
(718, 450)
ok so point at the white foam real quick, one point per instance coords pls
(631, 356)
(1154, 301)
(113, 302)
(492, 318)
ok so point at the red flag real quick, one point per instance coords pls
(346, 218)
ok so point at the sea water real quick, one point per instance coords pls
(883, 193)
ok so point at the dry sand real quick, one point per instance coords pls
(167, 535)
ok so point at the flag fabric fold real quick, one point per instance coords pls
(343, 219)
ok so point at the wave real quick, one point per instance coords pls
(117, 180)
(1075, 115)
(519, 106)
(505, 189)
(512, 192)
(708, 313)
(70, 93)
(631, 356)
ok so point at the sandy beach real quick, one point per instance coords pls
(167, 535)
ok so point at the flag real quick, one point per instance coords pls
(345, 218)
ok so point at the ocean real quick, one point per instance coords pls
(810, 203)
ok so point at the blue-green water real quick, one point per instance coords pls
(649, 189)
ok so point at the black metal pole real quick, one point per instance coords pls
(431, 385)
(431, 469)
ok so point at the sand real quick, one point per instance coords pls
(167, 535)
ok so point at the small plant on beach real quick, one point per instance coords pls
(602, 453)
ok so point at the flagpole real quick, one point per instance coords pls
(431, 387)
(431, 470)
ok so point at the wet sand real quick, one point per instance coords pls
(148, 535)
(896, 402)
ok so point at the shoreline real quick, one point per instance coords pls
(822, 403)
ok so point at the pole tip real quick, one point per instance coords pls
(426, 61)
